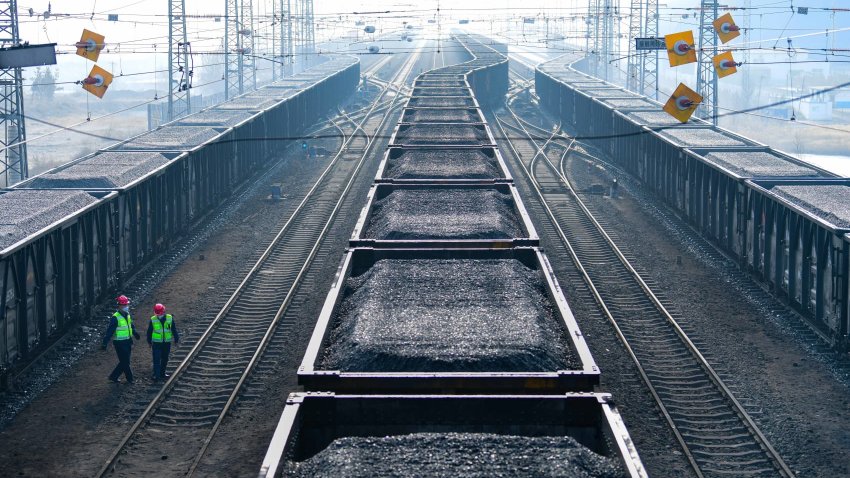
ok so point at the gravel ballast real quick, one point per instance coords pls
(170, 138)
(444, 315)
(106, 170)
(700, 137)
(759, 164)
(438, 134)
(23, 212)
(456, 455)
(827, 201)
(441, 213)
(443, 164)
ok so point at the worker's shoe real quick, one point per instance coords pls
(114, 380)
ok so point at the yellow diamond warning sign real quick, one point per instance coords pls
(98, 81)
(724, 64)
(683, 103)
(726, 28)
(680, 48)
(90, 45)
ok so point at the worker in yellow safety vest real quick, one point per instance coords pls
(121, 331)
(162, 331)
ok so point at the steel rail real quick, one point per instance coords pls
(241, 288)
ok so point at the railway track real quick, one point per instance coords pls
(715, 432)
(188, 411)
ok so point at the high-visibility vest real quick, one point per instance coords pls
(161, 330)
(124, 330)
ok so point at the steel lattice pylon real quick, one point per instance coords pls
(643, 65)
(706, 75)
(308, 34)
(649, 68)
(14, 166)
(601, 33)
(286, 37)
(246, 55)
(634, 69)
(179, 69)
(592, 43)
(232, 48)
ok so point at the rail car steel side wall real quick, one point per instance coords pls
(205, 182)
(52, 277)
(802, 257)
(150, 212)
(311, 421)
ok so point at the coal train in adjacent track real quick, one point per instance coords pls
(71, 237)
(784, 221)
(445, 344)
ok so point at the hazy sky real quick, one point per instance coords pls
(137, 42)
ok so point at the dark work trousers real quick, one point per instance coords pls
(160, 351)
(123, 348)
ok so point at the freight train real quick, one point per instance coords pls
(445, 329)
(785, 221)
(72, 236)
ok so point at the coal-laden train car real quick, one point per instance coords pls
(780, 217)
(56, 248)
(73, 235)
(445, 333)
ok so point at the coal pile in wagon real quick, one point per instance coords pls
(24, 212)
(447, 315)
(441, 115)
(458, 455)
(106, 170)
(700, 137)
(215, 118)
(759, 164)
(443, 213)
(171, 138)
(443, 164)
(829, 202)
(439, 134)
(441, 102)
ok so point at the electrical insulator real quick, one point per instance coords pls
(684, 103)
(727, 27)
(88, 45)
(245, 31)
(96, 80)
(727, 64)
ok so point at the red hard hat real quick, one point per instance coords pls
(123, 300)
(159, 309)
